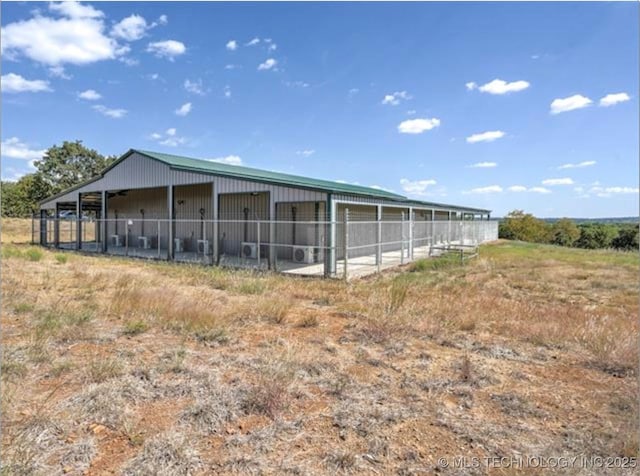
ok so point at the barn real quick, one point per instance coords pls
(161, 206)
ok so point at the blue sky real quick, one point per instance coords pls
(496, 105)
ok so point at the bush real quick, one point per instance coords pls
(33, 254)
(61, 258)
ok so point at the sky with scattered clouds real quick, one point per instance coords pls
(495, 105)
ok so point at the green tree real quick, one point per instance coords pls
(564, 232)
(22, 198)
(70, 164)
(596, 235)
(627, 238)
(524, 227)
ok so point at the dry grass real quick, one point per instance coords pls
(115, 366)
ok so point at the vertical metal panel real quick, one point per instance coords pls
(188, 201)
(233, 229)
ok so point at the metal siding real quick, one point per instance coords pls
(188, 200)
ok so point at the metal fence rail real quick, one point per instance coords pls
(342, 248)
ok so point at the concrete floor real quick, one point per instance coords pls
(356, 266)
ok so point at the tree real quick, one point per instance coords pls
(595, 236)
(627, 238)
(564, 232)
(70, 164)
(22, 198)
(524, 227)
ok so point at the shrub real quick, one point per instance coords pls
(252, 287)
(33, 254)
(310, 320)
(61, 258)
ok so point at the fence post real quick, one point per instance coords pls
(346, 242)
(158, 239)
(402, 239)
(258, 242)
(411, 233)
(379, 248)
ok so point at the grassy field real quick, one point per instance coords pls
(114, 366)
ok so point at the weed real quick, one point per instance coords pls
(211, 336)
(164, 455)
(251, 287)
(100, 370)
(310, 320)
(135, 327)
(61, 258)
(23, 308)
(33, 254)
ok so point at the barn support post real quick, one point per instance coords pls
(345, 224)
(379, 237)
(216, 240)
(402, 238)
(103, 218)
(170, 232)
(56, 227)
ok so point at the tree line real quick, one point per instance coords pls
(61, 167)
(518, 225)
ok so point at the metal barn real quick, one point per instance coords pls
(161, 206)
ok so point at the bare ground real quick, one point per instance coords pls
(129, 367)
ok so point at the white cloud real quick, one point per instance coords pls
(539, 190)
(253, 42)
(577, 101)
(58, 71)
(232, 45)
(113, 113)
(184, 109)
(609, 191)
(74, 9)
(227, 91)
(483, 165)
(486, 190)
(520, 188)
(416, 187)
(13, 148)
(499, 86)
(558, 181)
(586, 163)
(296, 84)
(169, 138)
(163, 20)
(229, 160)
(612, 99)
(418, 126)
(194, 87)
(14, 83)
(267, 65)
(488, 136)
(306, 152)
(77, 38)
(353, 91)
(395, 98)
(167, 49)
(272, 47)
(131, 28)
(471, 86)
(90, 95)
(232, 66)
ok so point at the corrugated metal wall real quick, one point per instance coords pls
(128, 204)
(189, 200)
(298, 232)
(235, 231)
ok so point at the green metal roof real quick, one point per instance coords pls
(179, 162)
(217, 168)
